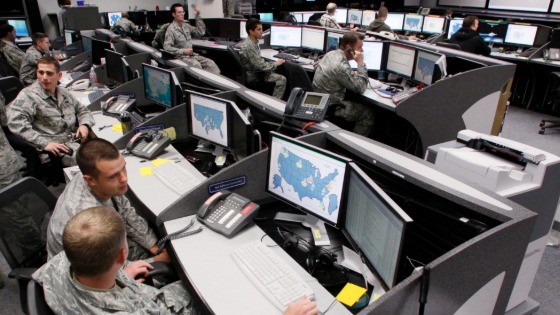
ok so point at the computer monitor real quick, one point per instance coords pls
(306, 16)
(543, 34)
(98, 50)
(266, 17)
(425, 64)
(159, 85)
(21, 27)
(313, 38)
(413, 22)
(433, 24)
(354, 17)
(86, 43)
(242, 30)
(308, 178)
(340, 15)
(373, 54)
(368, 17)
(208, 119)
(375, 225)
(138, 17)
(522, 35)
(333, 40)
(298, 16)
(400, 60)
(113, 17)
(114, 66)
(454, 26)
(395, 21)
(71, 36)
(285, 36)
(492, 31)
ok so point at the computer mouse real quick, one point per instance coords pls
(390, 89)
(294, 61)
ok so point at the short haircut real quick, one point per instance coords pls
(37, 37)
(5, 29)
(93, 151)
(351, 38)
(383, 11)
(92, 240)
(331, 7)
(48, 60)
(176, 5)
(468, 22)
(252, 24)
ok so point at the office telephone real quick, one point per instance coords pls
(148, 144)
(116, 105)
(551, 54)
(227, 213)
(309, 106)
(81, 84)
(81, 66)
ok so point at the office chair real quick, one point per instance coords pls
(297, 77)
(120, 31)
(551, 102)
(10, 86)
(27, 201)
(315, 18)
(449, 45)
(5, 69)
(315, 23)
(241, 75)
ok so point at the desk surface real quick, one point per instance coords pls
(307, 64)
(222, 286)
(103, 127)
(203, 43)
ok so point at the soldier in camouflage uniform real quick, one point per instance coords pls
(103, 183)
(229, 7)
(178, 39)
(28, 70)
(126, 24)
(88, 276)
(327, 19)
(11, 51)
(45, 115)
(334, 75)
(250, 58)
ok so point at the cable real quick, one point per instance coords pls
(311, 123)
(330, 306)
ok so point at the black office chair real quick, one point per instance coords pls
(551, 102)
(120, 31)
(23, 208)
(449, 45)
(10, 86)
(297, 77)
(241, 75)
(315, 23)
(5, 69)
(315, 18)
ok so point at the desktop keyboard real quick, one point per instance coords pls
(136, 119)
(93, 96)
(176, 177)
(399, 96)
(272, 276)
(285, 56)
(75, 75)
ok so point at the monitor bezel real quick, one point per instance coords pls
(377, 42)
(480, 22)
(319, 150)
(121, 67)
(348, 15)
(416, 63)
(435, 17)
(190, 115)
(413, 15)
(413, 63)
(518, 44)
(273, 27)
(99, 52)
(324, 38)
(172, 85)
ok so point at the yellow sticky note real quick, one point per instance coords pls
(350, 294)
(159, 161)
(146, 171)
(117, 127)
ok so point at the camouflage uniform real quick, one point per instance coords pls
(28, 70)
(39, 117)
(178, 38)
(77, 196)
(65, 295)
(250, 58)
(159, 38)
(126, 24)
(228, 7)
(328, 21)
(334, 75)
(13, 54)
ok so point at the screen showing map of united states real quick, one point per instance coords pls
(209, 119)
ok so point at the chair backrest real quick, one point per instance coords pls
(315, 17)
(240, 74)
(159, 38)
(36, 304)
(297, 77)
(120, 30)
(10, 88)
(314, 22)
(5, 69)
(449, 45)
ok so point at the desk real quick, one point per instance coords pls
(203, 43)
(268, 53)
(221, 285)
(102, 121)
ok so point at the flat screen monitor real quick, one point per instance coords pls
(138, 17)
(368, 17)
(98, 50)
(433, 24)
(532, 6)
(266, 17)
(373, 54)
(354, 17)
(285, 36)
(307, 177)
(209, 119)
(159, 85)
(306, 16)
(543, 34)
(522, 35)
(492, 31)
(413, 22)
(71, 36)
(400, 60)
(425, 64)
(113, 17)
(395, 21)
(340, 15)
(454, 26)
(313, 38)
(298, 16)
(375, 225)
(242, 30)
(333, 40)
(114, 66)
(20, 26)
(86, 43)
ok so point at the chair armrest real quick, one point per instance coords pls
(22, 273)
(160, 269)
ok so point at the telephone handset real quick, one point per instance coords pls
(116, 105)
(227, 213)
(148, 144)
(309, 106)
(81, 84)
(80, 66)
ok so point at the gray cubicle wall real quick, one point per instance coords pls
(476, 277)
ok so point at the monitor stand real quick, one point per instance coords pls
(216, 150)
(317, 226)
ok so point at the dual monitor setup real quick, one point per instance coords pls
(331, 189)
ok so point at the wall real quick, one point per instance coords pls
(428, 3)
